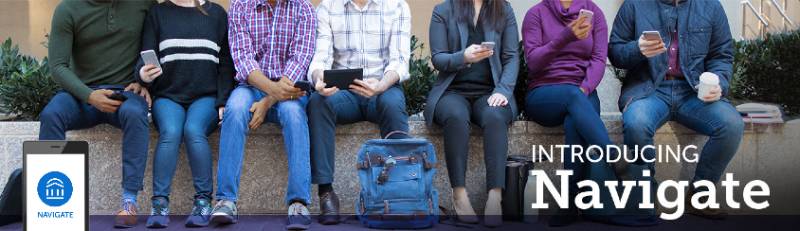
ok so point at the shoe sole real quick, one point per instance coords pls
(158, 225)
(297, 227)
(196, 225)
(223, 219)
(330, 220)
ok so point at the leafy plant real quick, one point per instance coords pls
(26, 85)
(767, 70)
(521, 89)
(422, 76)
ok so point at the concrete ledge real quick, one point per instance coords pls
(767, 153)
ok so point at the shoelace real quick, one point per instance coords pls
(128, 206)
(200, 210)
(160, 209)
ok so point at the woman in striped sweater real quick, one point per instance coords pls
(190, 90)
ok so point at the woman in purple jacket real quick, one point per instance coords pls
(566, 56)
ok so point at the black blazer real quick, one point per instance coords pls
(448, 39)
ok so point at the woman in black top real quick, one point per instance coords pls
(475, 84)
(191, 41)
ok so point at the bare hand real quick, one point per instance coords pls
(259, 110)
(497, 100)
(149, 72)
(141, 91)
(284, 89)
(367, 88)
(651, 48)
(320, 84)
(475, 53)
(99, 99)
(713, 95)
(580, 28)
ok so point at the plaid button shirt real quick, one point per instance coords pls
(376, 38)
(278, 40)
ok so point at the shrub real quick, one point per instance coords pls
(422, 76)
(521, 89)
(767, 70)
(25, 83)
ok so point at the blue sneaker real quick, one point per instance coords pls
(201, 213)
(299, 218)
(159, 215)
(224, 213)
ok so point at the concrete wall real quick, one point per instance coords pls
(767, 153)
(28, 21)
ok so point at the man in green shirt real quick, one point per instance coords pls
(94, 45)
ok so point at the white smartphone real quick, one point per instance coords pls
(588, 14)
(652, 35)
(488, 45)
(149, 57)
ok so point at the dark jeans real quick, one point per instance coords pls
(454, 113)
(676, 100)
(65, 112)
(564, 104)
(388, 110)
(191, 125)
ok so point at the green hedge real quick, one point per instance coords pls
(25, 83)
(423, 75)
(768, 70)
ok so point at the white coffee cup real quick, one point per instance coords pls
(708, 81)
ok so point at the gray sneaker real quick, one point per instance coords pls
(224, 213)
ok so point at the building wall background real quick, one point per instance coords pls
(28, 21)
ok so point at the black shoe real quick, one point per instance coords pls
(707, 213)
(329, 209)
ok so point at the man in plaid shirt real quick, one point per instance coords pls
(272, 43)
(351, 34)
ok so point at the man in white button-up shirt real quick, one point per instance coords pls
(371, 34)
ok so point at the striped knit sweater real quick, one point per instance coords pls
(193, 51)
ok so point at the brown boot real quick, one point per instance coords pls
(707, 213)
(126, 217)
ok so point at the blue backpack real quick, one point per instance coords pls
(396, 178)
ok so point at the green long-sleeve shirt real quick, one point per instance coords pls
(95, 42)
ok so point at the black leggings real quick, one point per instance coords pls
(454, 113)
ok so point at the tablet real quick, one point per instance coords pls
(55, 185)
(342, 78)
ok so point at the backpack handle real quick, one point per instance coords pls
(395, 132)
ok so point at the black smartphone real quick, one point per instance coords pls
(118, 96)
(303, 85)
(342, 78)
(55, 185)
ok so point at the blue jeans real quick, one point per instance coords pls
(554, 105)
(291, 115)
(188, 124)
(65, 113)
(676, 100)
(388, 110)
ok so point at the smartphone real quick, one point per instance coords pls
(118, 96)
(303, 85)
(588, 14)
(652, 35)
(150, 57)
(55, 185)
(488, 45)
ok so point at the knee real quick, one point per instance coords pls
(49, 114)
(638, 124)
(193, 132)
(133, 111)
(454, 119)
(730, 126)
(169, 133)
(392, 101)
(316, 104)
(495, 117)
(292, 112)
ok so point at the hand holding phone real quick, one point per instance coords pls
(303, 85)
(588, 14)
(651, 44)
(488, 45)
(118, 96)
